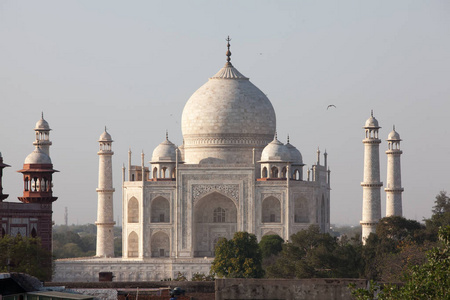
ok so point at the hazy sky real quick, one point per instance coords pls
(132, 65)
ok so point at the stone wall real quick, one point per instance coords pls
(285, 289)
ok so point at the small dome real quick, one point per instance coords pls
(275, 151)
(371, 122)
(42, 124)
(105, 137)
(38, 157)
(166, 151)
(296, 156)
(394, 136)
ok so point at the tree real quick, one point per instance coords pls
(26, 255)
(311, 253)
(428, 281)
(440, 217)
(239, 257)
(271, 245)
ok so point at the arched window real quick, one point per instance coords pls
(296, 174)
(155, 172)
(274, 172)
(174, 172)
(133, 210)
(264, 173)
(33, 233)
(283, 172)
(133, 245)
(160, 210)
(163, 172)
(219, 215)
(271, 210)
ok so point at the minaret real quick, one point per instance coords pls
(371, 212)
(42, 130)
(105, 217)
(394, 177)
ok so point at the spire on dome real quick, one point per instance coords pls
(288, 139)
(167, 135)
(371, 113)
(228, 51)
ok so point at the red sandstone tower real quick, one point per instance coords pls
(37, 178)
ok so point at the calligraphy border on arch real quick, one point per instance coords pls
(230, 190)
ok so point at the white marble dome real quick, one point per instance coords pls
(42, 125)
(37, 157)
(166, 151)
(371, 122)
(275, 151)
(394, 136)
(105, 137)
(296, 156)
(227, 111)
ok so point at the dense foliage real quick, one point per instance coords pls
(26, 255)
(239, 257)
(80, 241)
(311, 253)
(431, 280)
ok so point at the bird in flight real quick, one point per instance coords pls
(331, 105)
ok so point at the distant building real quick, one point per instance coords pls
(32, 217)
(231, 173)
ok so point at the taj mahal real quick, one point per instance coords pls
(231, 173)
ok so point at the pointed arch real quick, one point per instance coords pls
(33, 233)
(215, 215)
(133, 244)
(264, 173)
(160, 244)
(160, 210)
(283, 172)
(133, 210)
(271, 210)
(274, 172)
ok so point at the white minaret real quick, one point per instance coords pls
(42, 141)
(394, 177)
(105, 217)
(371, 213)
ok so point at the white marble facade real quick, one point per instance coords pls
(231, 173)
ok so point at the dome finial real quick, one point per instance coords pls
(275, 137)
(105, 128)
(167, 135)
(288, 139)
(371, 113)
(393, 127)
(42, 115)
(228, 51)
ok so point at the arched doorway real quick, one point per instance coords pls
(215, 216)
(160, 210)
(133, 245)
(160, 245)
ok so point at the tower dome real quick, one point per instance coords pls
(226, 118)
(276, 151)
(37, 157)
(166, 151)
(42, 124)
(296, 156)
(393, 135)
(105, 137)
(371, 122)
